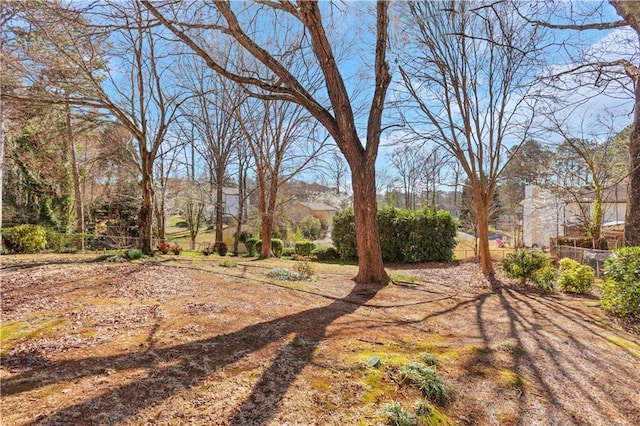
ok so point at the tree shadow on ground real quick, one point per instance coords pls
(175, 368)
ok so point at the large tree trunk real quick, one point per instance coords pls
(267, 211)
(482, 203)
(77, 188)
(145, 218)
(370, 265)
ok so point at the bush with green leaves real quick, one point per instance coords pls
(621, 290)
(310, 227)
(133, 254)
(250, 244)
(544, 278)
(325, 254)
(523, 264)
(304, 248)
(25, 238)
(406, 236)
(575, 277)
(277, 247)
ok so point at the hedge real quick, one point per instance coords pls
(406, 236)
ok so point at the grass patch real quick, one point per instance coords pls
(228, 264)
(427, 380)
(404, 278)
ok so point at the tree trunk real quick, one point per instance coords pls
(267, 209)
(77, 188)
(241, 200)
(160, 212)
(219, 203)
(632, 220)
(482, 203)
(370, 265)
(145, 219)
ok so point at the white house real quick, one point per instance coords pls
(231, 203)
(546, 216)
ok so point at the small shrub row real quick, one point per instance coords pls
(326, 254)
(620, 291)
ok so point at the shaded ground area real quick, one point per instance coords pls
(179, 340)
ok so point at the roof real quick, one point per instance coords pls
(318, 206)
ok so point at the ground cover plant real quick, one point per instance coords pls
(179, 340)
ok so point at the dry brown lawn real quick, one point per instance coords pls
(185, 341)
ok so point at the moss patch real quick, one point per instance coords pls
(631, 347)
(32, 328)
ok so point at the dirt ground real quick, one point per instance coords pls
(179, 340)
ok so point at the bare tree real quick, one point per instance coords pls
(283, 141)
(308, 48)
(212, 112)
(471, 87)
(410, 169)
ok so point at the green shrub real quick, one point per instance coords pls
(544, 278)
(325, 254)
(304, 248)
(523, 264)
(228, 264)
(344, 234)
(574, 277)
(277, 246)
(25, 239)
(250, 244)
(310, 227)
(133, 254)
(406, 236)
(427, 380)
(621, 290)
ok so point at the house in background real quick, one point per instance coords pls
(546, 216)
(231, 204)
(324, 212)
